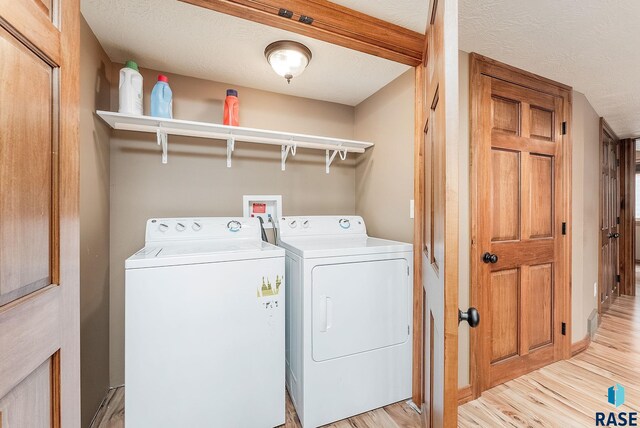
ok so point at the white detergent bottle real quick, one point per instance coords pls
(130, 89)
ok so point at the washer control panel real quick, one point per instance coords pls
(197, 228)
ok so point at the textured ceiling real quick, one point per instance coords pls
(172, 36)
(591, 45)
(411, 14)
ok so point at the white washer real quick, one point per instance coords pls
(204, 326)
(349, 323)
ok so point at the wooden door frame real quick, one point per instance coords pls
(479, 66)
(605, 129)
(626, 244)
(418, 237)
(627, 216)
(374, 36)
(330, 22)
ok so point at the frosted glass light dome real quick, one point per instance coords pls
(288, 58)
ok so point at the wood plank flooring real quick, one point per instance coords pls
(564, 394)
(398, 415)
(569, 393)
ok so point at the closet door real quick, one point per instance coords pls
(39, 280)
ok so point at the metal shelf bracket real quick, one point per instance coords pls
(331, 157)
(231, 142)
(163, 141)
(284, 153)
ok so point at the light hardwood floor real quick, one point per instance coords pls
(399, 415)
(569, 393)
(564, 394)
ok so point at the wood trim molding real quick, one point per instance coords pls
(418, 193)
(580, 346)
(465, 394)
(68, 213)
(331, 23)
(627, 238)
(605, 130)
(506, 72)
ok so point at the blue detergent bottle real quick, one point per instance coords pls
(162, 98)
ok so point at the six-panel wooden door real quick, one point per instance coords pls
(520, 225)
(609, 280)
(39, 279)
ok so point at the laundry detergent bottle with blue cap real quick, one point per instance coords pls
(162, 98)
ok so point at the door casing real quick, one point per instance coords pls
(604, 276)
(483, 66)
(627, 217)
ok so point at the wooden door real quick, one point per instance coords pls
(520, 218)
(39, 280)
(627, 225)
(609, 270)
(440, 255)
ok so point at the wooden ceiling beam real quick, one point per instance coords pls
(327, 21)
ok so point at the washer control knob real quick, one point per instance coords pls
(180, 227)
(344, 223)
(293, 224)
(305, 224)
(196, 226)
(163, 227)
(234, 226)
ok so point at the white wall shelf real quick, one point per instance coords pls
(288, 141)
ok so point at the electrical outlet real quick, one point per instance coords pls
(412, 209)
(595, 289)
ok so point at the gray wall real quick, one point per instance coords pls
(196, 181)
(95, 72)
(585, 130)
(384, 174)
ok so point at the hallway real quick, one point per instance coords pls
(569, 393)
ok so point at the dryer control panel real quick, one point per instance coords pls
(321, 226)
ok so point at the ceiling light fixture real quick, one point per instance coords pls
(288, 58)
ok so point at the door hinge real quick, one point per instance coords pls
(564, 128)
(564, 328)
(617, 220)
(617, 162)
(408, 272)
(408, 331)
(617, 278)
(564, 228)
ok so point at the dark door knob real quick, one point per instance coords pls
(472, 316)
(614, 235)
(489, 258)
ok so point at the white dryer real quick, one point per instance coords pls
(348, 318)
(204, 326)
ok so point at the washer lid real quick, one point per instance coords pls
(332, 246)
(168, 254)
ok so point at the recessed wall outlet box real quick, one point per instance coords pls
(264, 206)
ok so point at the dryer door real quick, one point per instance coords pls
(359, 307)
